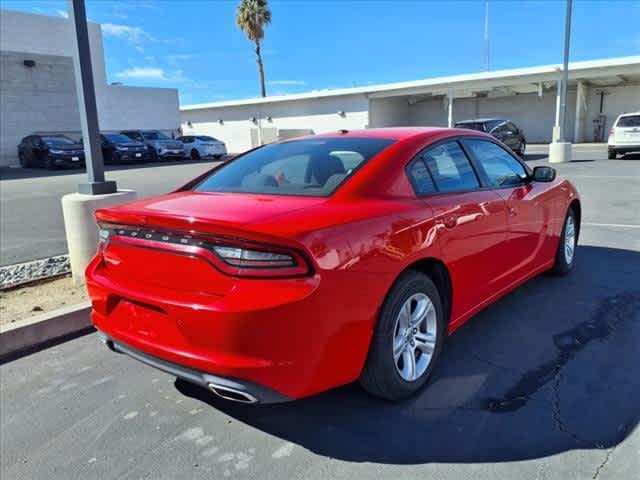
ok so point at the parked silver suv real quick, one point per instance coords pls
(161, 146)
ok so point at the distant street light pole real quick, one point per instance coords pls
(97, 185)
(560, 148)
(565, 73)
(486, 35)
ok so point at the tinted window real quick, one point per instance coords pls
(420, 177)
(511, 127)
(117, 138)
(57, 141)
(471, 126)
(491, 124)
(311, 167)
(499, 166)
(205, 138)
(630, 121)
(450, 168)
(154, 136)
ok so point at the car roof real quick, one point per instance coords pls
(482, 120)
(395, 133)
(629, 114)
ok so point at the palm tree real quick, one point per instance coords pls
(252, 16)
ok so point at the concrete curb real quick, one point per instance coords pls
(35, 331)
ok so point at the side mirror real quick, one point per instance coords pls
(544, 174)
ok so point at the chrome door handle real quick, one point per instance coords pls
(513, 212)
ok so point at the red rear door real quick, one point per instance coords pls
(472, 227)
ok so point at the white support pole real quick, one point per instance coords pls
(556, 124)
(581, 107)
(450, 109)
(560, 148)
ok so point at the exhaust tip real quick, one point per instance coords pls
(229, 393)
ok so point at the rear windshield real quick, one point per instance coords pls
(311, 167)
(471, 126)
(57, 141)
(630, 121)
(204, 138)
(154, 136)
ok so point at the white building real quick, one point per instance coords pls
(598, 91)
(37, 87)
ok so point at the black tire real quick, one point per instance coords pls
(612, 154)
(153, 154)
(379, 376)
(49, 163)
(195, 154)
(562, 265)
(24, 163)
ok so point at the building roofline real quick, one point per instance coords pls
(446, 81)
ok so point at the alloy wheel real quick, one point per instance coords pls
(569, 239)
(414, 337)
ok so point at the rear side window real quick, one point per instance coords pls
(629, 121)
(499, 166)
(311, 167)
(450, 168)
(420, 177)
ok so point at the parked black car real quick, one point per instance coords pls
(50, 151)
(160, 146)
(504, 130)
(118, 148)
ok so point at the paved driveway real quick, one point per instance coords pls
(543, 384)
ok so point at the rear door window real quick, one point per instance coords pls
(450, 168)
(420, 177)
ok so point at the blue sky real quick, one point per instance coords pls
(196, 46)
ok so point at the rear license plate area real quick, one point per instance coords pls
(142, 320)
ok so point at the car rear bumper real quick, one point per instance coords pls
(624, 148)
(292, 336)
(132, 156)
(68, 160)
(228, 388)
(214, 151)
(171, 154)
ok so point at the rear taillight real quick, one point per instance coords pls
(232, 256)
(612, 132)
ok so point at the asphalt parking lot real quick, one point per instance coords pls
(543, 384)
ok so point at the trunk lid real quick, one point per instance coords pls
(145, 264)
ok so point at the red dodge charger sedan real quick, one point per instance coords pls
(310, 263)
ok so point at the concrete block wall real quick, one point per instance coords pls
(39, 98)
(44, 97)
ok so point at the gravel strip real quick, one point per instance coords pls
(20, 273)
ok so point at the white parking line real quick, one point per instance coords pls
(615, 225)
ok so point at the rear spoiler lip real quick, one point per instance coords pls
(205, 229)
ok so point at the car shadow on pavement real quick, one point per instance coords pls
(551, 367)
